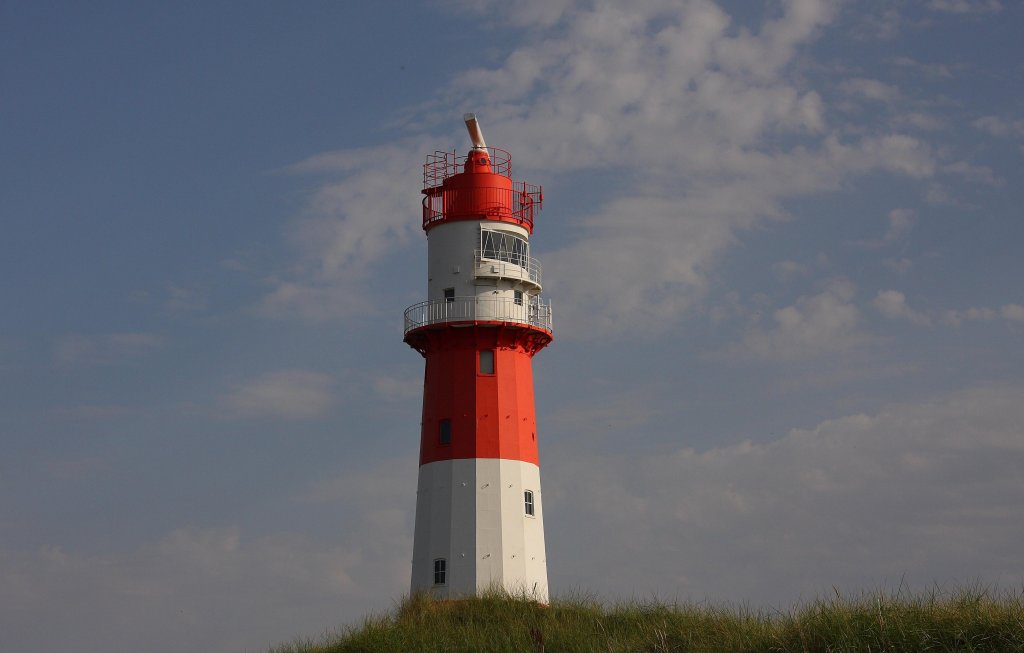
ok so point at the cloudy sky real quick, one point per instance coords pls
(782, 241)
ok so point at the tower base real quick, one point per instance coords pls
(472, 513)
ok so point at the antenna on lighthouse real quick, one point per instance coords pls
(475, 133)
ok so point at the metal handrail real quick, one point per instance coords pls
(529, 269)
(441, 165)
(520, 202)
(533, 312)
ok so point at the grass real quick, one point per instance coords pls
(966, 620)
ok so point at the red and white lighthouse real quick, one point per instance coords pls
(479, 512)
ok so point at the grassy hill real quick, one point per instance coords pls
(964, 621)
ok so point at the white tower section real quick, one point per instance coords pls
(471, 513)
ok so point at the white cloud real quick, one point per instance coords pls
(731, 306)
(933, 70)
(378, 486)
(239, 261)
(398, 388)
(936, 195)
(900, 222)
(976, 314)
(81, 349)
(184, 300)
(1000, 127)
(870, 89)
(205, 589)
(893, 305)
(220, 588)
(368, 214)
(974, 173)
(628, 87)
(1013, 312)
(787, 270)
(984, 314)
(930, 492)
(289, 394)
(822, 324)
(884, 25)
(919, 120)
(965, 6)
(671, 99)
(900, 265)
(773, 47)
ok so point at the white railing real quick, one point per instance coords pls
(467, 309)
(529, 270)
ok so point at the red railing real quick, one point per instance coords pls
(519, 203)
(441, 165)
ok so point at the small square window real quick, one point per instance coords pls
(440, 571)
(528, 501)
(449, 294)
(487, 361)
(517, 297)
(444, 432)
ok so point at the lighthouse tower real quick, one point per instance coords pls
(479, 513)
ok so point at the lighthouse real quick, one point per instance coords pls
(479, 512)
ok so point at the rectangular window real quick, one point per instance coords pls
(487, 361)
(518, 297)
(528, 500)
(449, 294)
(440, 568)
(504, 246)
(444, 432)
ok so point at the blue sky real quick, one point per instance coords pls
(782, 241)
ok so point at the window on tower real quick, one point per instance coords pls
(517, 296)
(449, 294)
(504, 246)
(528, 501)
(444, 432)
(487, 361)
(440, 571)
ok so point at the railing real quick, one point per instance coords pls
(468, 309)
(441, 165)
(520, 203)
(526, 268)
